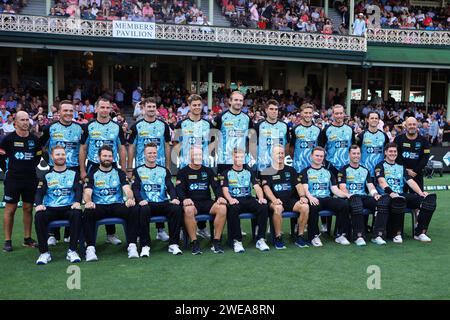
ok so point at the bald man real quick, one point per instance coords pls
(413, 151)
(23, 152)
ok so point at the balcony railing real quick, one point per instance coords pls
(211, 34)
(409, 37)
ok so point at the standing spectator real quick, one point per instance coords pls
(8, 126)
(434, 131)
(359, 26)
(136, 96)
(11, 104)
(119, 95)
(446, 136)
(254, 16)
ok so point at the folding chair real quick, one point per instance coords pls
(242, 216)
(108, 221)
(65, 223)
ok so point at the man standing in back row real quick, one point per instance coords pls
(22, 151)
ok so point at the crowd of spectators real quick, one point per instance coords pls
(12, 6)
(399, 14)
(167, 11)
(284, 15)
(173, 107)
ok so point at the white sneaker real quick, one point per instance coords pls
(51, 241)
(262, 245)
(316, 242)
(162, 235)
(44, 258)
(243, 233)
(67, 240)
(112, 238)
(323, 228)
(73, 256)
(397, 239)
(342, 240)
(90, 254)
(175, 249)
(379, 241)
(360, 242)
(423, 238)
(204, 233)
(132, 251)
(237, 246)
(145, 252)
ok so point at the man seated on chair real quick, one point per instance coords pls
(58, 197)
(285, 193)
(103, 195)
(150, 187)
(237, 190)
(391, 178)
(320, 185)
(193, 188)
(355, 179)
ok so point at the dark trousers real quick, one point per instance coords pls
(247, 205)
(174, 214)
(395, 221)
(43, 218)
(357, 204)
(115, 210)
(339, 206)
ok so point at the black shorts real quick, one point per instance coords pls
(15, 189)
(203, 207)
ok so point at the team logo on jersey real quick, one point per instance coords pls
(204, 175)
(96, 134)
(52, 183)
(100, 183)
(57, 135)
(288, 174)
(18, 144)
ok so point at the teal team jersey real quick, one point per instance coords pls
(152, 184)
(67, 136)
(234, 129)
(59, 189)
(319, 181)
(239, 183)
(193, 133)
(395, 175)
(355, 179)
(269, 134)
(99, 134)
(372, 149)
(106, 185)
(144, 132)
(337, 142)
(304, 139)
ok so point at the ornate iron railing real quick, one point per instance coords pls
(211, 34)
(409, 37)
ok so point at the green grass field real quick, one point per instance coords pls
(410, 271)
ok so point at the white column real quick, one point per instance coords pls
(56, 67)
(50, 88)
(352, 17)
(210, 89)
(48, 5)
(211, 12)
(326, 8)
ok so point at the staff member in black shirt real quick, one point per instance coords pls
(193, 190)
(413, 151)
(23, 152)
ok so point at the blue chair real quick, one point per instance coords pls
(199, 217)
(108, 221)
(242, 216)
(287, 214)
(65, 223)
